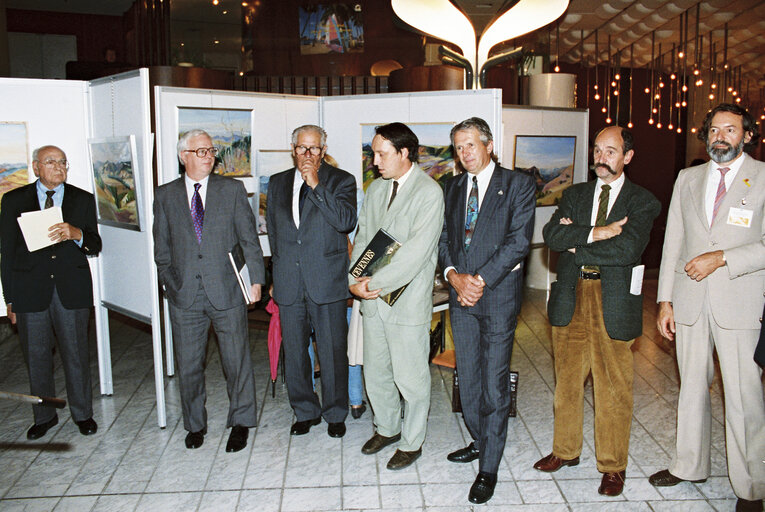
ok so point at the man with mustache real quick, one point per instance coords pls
(710, 298)
(596, 306)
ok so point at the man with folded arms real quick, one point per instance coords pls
(50, 290)
(596, 306)
(198, 219)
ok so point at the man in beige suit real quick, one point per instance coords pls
(711, 296)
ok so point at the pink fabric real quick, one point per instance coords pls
(274, 337)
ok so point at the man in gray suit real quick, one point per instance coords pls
(711, 297)
(409, 206)
(486, 236)
(311, 208)
(198, 219)
(601, 229)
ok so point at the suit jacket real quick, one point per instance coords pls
(759, 352)
(500, 240)
(313, 257)
(30, 277)
(735, 291)
(415, 219)
(616, 257)
(182, 262)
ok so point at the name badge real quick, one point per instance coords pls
(740, 217)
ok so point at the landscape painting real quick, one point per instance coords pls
(436, 157)
(331, 28)
(114, 174)
(230, 131)
(269, 162)
(550, 159)
(14, 167)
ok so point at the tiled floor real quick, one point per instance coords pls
(131, 464)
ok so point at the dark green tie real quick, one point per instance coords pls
(600, 220)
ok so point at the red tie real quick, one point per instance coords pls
(720, 191)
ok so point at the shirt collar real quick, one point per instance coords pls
(402, 179)
(190, 183)
(734, 166)
(484, 176)
(615, 185)
(41, 189)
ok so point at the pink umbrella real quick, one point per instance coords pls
(274, 341)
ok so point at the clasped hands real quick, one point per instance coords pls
(469, 287)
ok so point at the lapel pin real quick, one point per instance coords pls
(746, 182)
(500, 193)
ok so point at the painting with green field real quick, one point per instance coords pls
(230, 131)
(114, 174)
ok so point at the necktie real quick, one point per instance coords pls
(471, 217)
(600, 220)
(197, 212)
(393, 194)
(301, 197)
(720, 191)
(49, 199)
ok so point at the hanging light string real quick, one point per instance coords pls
(632, 71)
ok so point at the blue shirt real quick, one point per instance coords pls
(58, 199)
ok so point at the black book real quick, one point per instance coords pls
(236, 257)
(376, 255)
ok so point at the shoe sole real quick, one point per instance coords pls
(672, 484)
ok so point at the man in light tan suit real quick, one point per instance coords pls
(710, 295)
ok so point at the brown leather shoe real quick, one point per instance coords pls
(378, 442)
(664, 478)
(402, 459)
(551, 463)
(612, 484)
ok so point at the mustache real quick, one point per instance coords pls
(606, 167)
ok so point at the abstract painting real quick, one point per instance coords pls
(14, 167)
(550, 159)
(230, 131)
(330, 28)
(269, 162)
(114, 174)
(435, 157)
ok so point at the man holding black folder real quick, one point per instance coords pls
(198, 219)
(409, 206)
(311, 209)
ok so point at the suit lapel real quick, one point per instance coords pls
(180, 201)
(585, 202)
(401, 194)
(697, 185)
(459, 198)
(67, 206)
(308, 205)
(33, 202)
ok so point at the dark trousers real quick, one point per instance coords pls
(190, 334)
(331, 331)
(37, 333)
(483, 346)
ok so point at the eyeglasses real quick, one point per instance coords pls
(315, 150)
(202, 152)
(53, 163)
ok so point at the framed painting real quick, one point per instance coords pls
(435, 157)
(115, 177)
(550, 159)
(330, 28)
(269, 162)
(14, 155)
(231, 132)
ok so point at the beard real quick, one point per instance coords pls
(606, 167)
(725, 153)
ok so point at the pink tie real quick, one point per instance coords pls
(720, 191)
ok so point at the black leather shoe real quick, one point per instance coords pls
(358, 410)
(37, 431)
(87, 427)
(743, 505)
(237, 439)
(483, 488)
(402, 459)
(195, 439)
(664, 478)
(378, 442)
(303, 427)
(466, 454)
(336, 429)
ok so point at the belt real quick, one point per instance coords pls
(584, 274)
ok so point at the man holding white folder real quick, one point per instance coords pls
(50, 289)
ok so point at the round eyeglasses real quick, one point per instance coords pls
(53, 163)
(202, 152)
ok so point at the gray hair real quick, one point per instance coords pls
(309, 128)
(484, 132)
(36, 152)
(183, 142)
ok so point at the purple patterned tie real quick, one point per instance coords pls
(721, 190)
(197, 212)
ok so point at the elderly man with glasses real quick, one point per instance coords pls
(50, 290)
(311, 209)
(198, 220)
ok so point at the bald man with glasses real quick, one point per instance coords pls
(50, 290)
(198, 219)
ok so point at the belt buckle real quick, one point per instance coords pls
(588, 274)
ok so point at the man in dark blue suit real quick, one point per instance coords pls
(487, 231)
(50, 290)
(311, 209)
